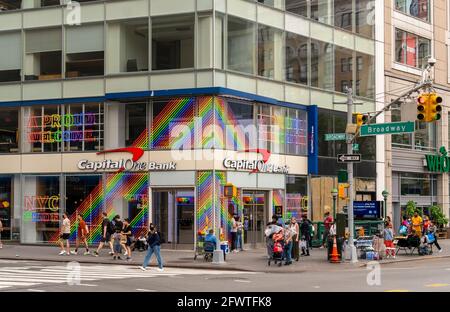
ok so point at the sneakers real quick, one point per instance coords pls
(160, 270)
(125, 253)
(95, 254)
(440, 250)
(63, 252)
(115, 258)
(86, 253)
(129, 259)
(1, 246)
(111, 253)
(118, 258)
(73, 252)
(142, 268)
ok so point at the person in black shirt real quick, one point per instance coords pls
(305, 230)
(106, 235)
(154, 246)
(127, 232)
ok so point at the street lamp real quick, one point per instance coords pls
(334, 193)
(385, 195)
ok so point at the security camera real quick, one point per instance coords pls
(431, 61)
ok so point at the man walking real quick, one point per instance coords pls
(82, 232)
(305, 230)
(65, 235)
(154, 246)
(106, 235)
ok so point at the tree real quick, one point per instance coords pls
(437, 216)
(411, 208)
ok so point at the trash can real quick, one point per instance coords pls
(339, 244)
(224, 247)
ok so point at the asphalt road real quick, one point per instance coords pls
(34, 276)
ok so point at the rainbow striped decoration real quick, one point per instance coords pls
(233, 137)
(205, 209)
(207, 137)
(277, 199)
(177, 112)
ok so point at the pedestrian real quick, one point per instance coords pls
(426, 223)
(305, 230)
(154, 247)
(327, 222)
(432, 229)
(117, 237)
(287, 245)
(417, 223)
(239, 229)
(388, 235)
(268, 233)
(1, 230)
(65, 235)
(295, 230)
(106, 235)
(233, 233)
(128, 234)
(82, 232)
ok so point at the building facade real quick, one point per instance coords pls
(150, 108)
(414, 32)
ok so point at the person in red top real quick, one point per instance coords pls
(327, 222)
(82, 233)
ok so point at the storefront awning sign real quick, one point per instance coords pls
(255, 165)
(438, 163)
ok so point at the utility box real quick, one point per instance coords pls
(341, 224)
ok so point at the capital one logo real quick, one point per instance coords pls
(132, 164)
(255, 165)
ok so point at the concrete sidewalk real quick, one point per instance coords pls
(251, 260)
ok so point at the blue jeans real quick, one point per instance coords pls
(238, 242)
(148, 256)
(288, 252)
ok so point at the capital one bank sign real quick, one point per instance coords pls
(262, 165)
(132, 164)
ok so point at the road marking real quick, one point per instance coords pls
(36, 290)
(437, 285)
(397, 290)
(316, 287)
(17, 284)
(242, 281)
(87, 285)
(145, 290)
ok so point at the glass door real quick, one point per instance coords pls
(254, 217)
(173, 212)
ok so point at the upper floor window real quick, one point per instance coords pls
(411, 49)
(10, 60)
(10, 5)
(9, 130)
(415, 8)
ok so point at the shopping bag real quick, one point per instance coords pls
(403, 230)
(431, 238)
(302, 244)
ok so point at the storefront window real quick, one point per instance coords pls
(6, 206)
(172, 123)
(296, 129)
(415, 8)
(83, 195)
(73, 127)
(296, 196)
(41, 209)
(411, 50)
(296, 58)
(417, 184)
(241, 45)
(9, 130)
(321, 64)
(136, 124)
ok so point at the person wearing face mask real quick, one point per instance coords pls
(154, 247)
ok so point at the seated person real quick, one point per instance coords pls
(424, 247)
(140, 244)
(413, 239)
(210, 240)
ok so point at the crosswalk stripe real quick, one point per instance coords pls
(437, 285)
(17, 284)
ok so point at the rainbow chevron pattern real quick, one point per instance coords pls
(205, 209)
(178, 112)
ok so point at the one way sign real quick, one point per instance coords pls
(346, 158)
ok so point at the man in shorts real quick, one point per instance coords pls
(82, 233)
(106, 235)
(65, 235)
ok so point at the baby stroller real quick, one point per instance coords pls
(277, 249)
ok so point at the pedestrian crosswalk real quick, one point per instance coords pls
(18, 277)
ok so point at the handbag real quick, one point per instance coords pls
(302, 244)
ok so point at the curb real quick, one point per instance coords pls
(409, 260)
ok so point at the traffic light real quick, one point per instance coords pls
(361, 119)
(435, 107)
(422, 105)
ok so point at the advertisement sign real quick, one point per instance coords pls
(367, 209)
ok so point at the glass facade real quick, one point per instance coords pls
(415, 8)
(411, 50)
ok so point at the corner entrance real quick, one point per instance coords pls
(173, 213)
(255, 217)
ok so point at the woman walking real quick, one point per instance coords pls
(239, 228)
(127, 233)
(154, 247)
(295, 230)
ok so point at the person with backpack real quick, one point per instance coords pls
(107, 230)
(154, 247)
(432, 229)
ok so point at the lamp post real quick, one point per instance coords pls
(334, 193)
(385, 195)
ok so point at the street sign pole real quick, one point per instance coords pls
(351, 245)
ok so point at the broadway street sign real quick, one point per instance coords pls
(335, 137)
(387, 128)
(346, 158)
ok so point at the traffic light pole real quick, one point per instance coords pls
(351, 246)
